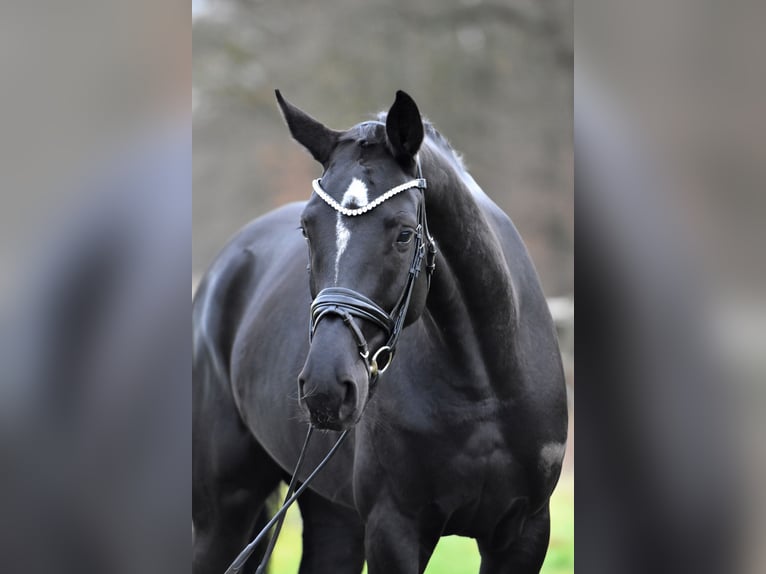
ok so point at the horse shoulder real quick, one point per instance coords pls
(541, 377)
(221, 300)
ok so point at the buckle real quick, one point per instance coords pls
(375, 368)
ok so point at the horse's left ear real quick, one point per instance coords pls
(404, 127)
(318, 139)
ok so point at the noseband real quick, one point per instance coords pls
(350, 305)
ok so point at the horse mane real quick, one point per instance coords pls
(444, 145)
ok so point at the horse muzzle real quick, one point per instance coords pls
(327, 412)
(334, 383)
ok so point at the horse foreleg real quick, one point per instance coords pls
(333, 537)
(231, 479)
(525, 555)
(396, 543)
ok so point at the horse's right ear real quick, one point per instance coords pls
(404, 127)
(311, 134)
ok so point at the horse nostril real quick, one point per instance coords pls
(349, 393)
(301, 388)
(348, 404)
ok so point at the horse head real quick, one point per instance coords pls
(367, 236)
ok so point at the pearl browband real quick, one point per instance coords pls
(420, 183)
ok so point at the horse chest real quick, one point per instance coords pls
(480, 473)
(463, 470)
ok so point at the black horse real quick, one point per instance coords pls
(463, 433)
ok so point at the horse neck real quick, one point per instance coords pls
(472, 297)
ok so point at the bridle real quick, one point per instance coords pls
(351, 305)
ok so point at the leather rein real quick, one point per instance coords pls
(351, 305)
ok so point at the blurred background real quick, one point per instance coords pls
(95, 226)
(494, 77)
(671, 276)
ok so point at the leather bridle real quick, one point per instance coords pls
(350, 305)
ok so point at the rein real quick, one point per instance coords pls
(239, 561)
(350, 305)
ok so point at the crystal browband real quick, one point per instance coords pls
(420, 183)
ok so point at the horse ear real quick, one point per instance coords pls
(311, 134)
(404, 127)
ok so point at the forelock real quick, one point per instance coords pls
(371, 132)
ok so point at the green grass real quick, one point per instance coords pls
(456, 555)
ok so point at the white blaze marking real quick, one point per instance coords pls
(551, 456)
(355, 194)
(342, 235)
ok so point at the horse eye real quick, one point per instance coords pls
(303, 232)
(405, 236)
